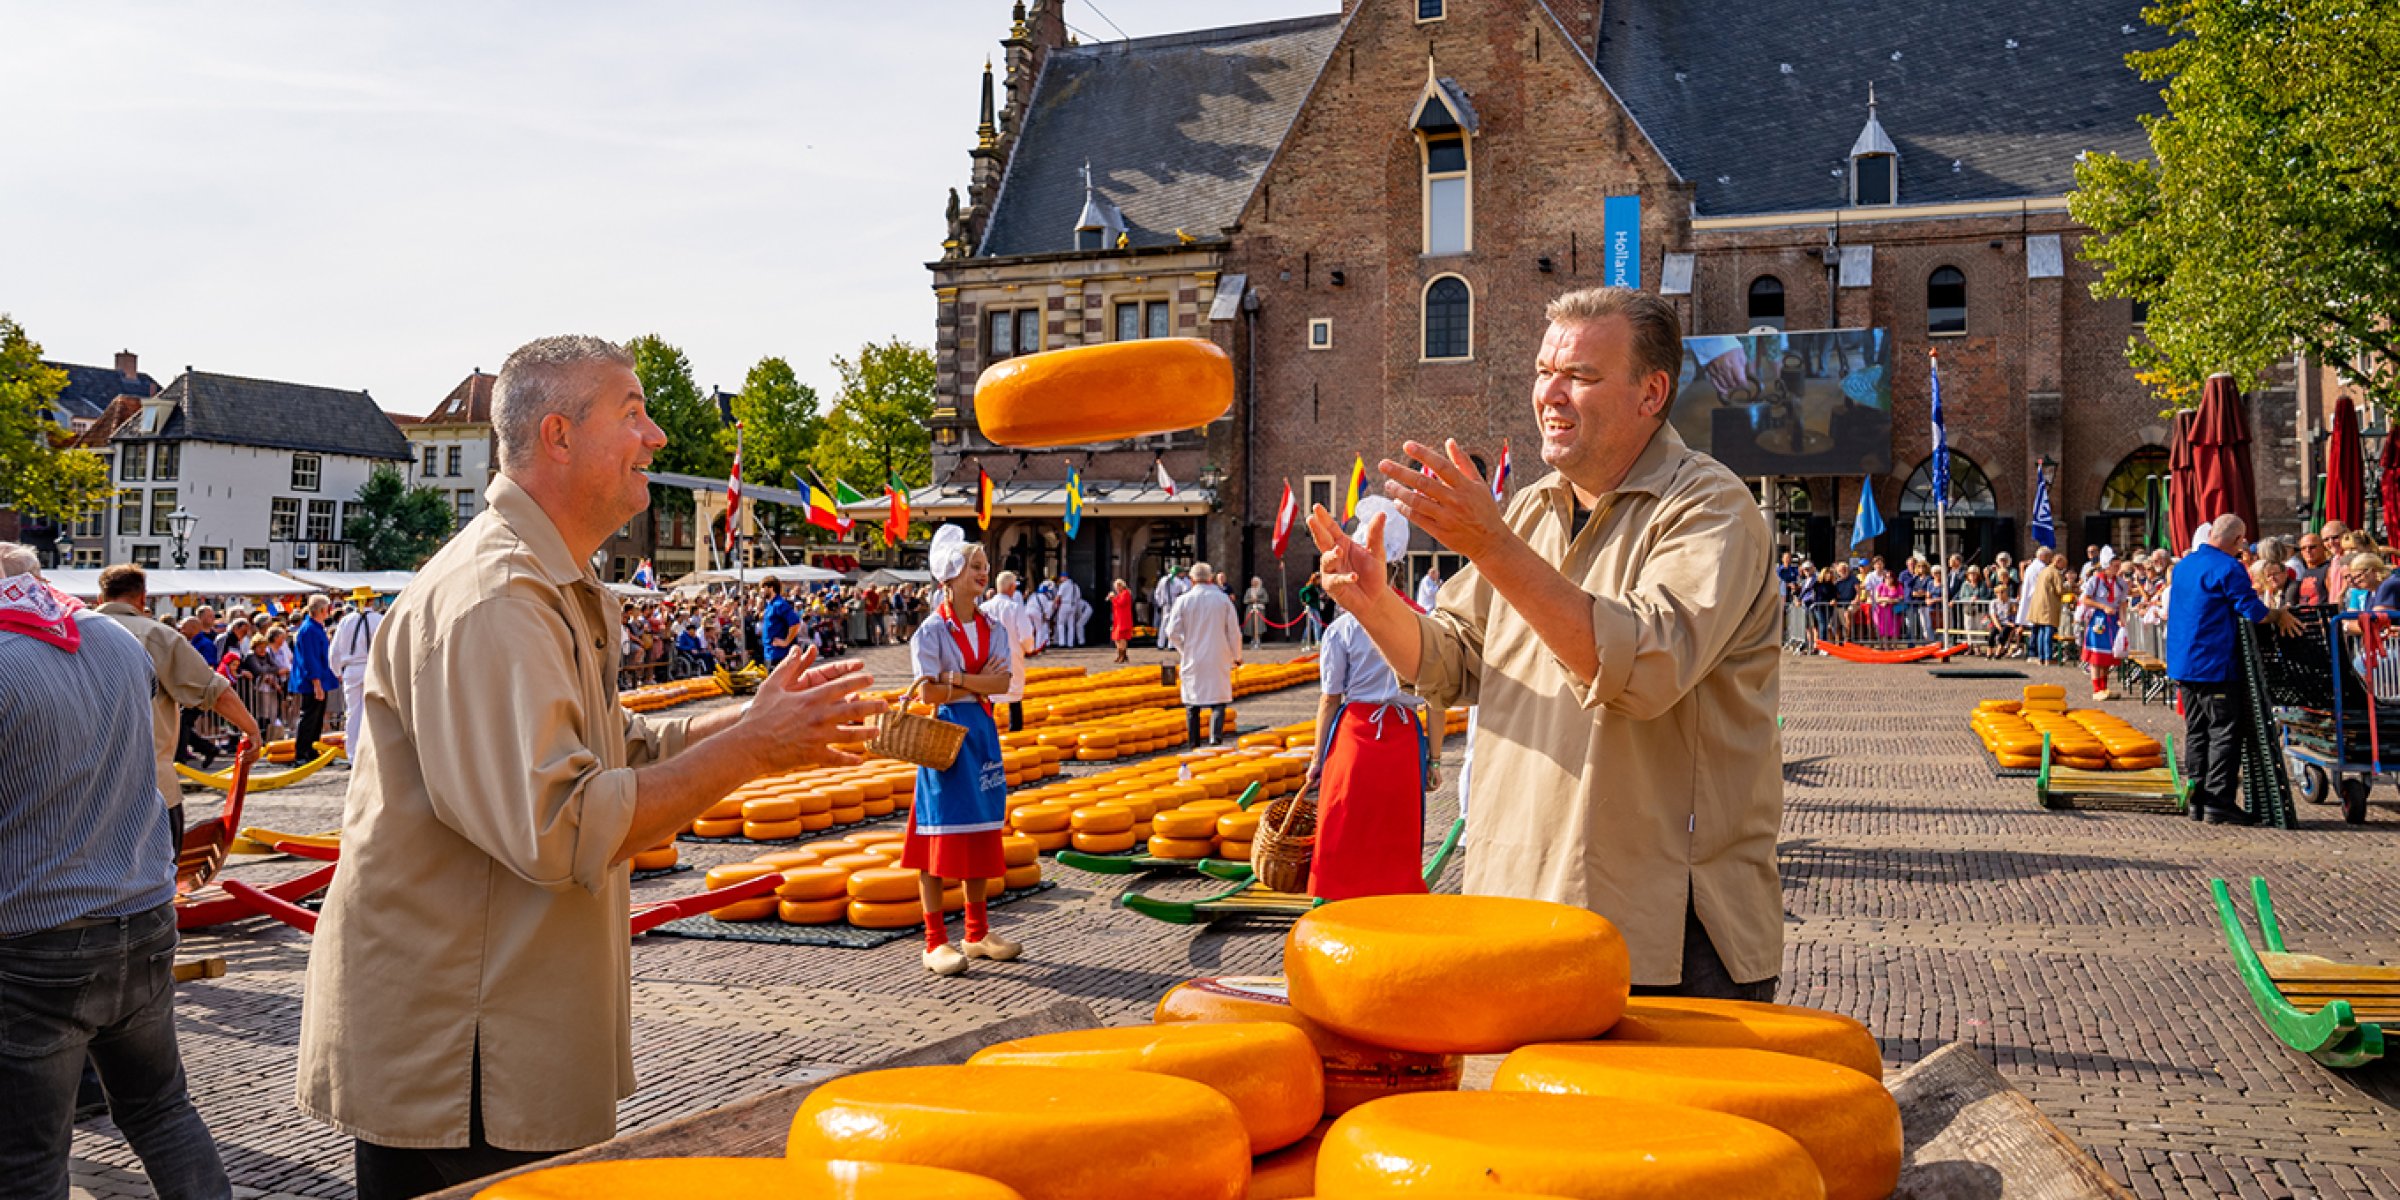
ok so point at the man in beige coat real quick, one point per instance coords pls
(469, 993)
(1618, 625)
(184, 680)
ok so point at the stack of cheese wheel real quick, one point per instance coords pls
(656, 858)
(1744, 1024)
(1268, 1069)
(2044, 697)
(1355, 1071)
(2010, 739)
(1102, 828)
(2071, 745)
(1052, 1133)
(742, 910)
(783, 1178)
(1848, 1124)
(2129, 749)
(655, 696)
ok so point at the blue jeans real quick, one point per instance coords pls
(2044, 642)
(107, 990)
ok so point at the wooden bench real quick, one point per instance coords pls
(2148, 677)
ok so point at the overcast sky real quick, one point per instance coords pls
(385, 196)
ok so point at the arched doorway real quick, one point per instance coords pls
(2133, 504)
(1977, 532)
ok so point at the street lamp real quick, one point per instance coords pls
(64, 547)
(181, 521)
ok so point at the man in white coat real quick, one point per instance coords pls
(1208, 638)
(1010, 612)
(348, 658)
(1073, 613)
(1429, 587)
(1172, 587)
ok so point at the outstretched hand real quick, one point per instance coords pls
(804, 709)
(1446, 497)
(1351, 573)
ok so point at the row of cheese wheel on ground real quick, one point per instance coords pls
(651, 697)
(790, 804)
(1304, 733)
(1100, 698)
(280, 750)
(1227, 1095)
(1158, 811)
(856, 879)
(2088, 739)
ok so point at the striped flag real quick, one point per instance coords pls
(1358, 483)
(645, 575)
(1500, 477)
(895, 527)
(1285, 513)
(733, 489)
(1941, 442)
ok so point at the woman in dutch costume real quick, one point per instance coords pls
(1373, 762)
(961, 658)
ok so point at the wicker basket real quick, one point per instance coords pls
(925, 741)
(1287, 842)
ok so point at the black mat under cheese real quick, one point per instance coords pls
(813, 835)
(1975, 673)
(661, 872)
(842, 935)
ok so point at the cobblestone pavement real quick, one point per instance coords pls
(2076, 950)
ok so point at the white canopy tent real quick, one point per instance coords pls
(344, 582)
(635, 592)
(795, 573)
(895, 576)
(84, 583)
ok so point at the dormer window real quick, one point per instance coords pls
(1445, 127)
(1102, 225)
(1874, 162)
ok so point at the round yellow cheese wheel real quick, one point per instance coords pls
(877, 837)
(1587, 1147)
(1784, 1028)
(1848, 1124)
(868, 914)
(2045, 691)
(1102, 818)
(771, 831)
(1078, 396)
(812, 912)
(1237, 826)
(748, 910)
(1049, 842)
(2137, 763)
(1269, 1069)
(884, 885)
(1162, 846)
(784, 860)
(1233, 851)
(1355, 1072)
(832, 848)
(773, 808)
(850, 815)
(654, 860)
(1184, 823)
(783, 1178)
(846, 863)
(727, 809)
(2003, 706)
(2019, 762)
(710, 827)
(1052, 1133)
(1025, 876)
(1415, 972)
(1103, 843)
(812, 883)
(1018, 850)
(728, 874)
(1041, 818)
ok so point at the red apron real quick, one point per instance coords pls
(1371, 806)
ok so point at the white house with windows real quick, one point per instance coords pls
(453, 444)
(266, 474)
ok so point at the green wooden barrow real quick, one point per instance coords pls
(2333, 1012)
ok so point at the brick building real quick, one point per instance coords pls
(1370, 209)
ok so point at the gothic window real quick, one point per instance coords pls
(1970, 489)
(1946, 301)
(2127, 489)
(1449, 318)
(1766, 303)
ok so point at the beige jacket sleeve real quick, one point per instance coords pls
(186, 678)
(1450, 638)
(1697, 582)
(499, 699)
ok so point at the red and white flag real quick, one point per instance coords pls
(733, 489)
(1164, 480)
(1285, 513)
(1500, 477)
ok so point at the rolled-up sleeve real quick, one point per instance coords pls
(1659, 639)
(654, 739)
(1450, 645)
(507, 748)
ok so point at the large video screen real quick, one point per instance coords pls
(1817, 402)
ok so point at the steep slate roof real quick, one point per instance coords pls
(1758, 102)
(89, 389)
(1177, 129)
(470, 403)
(284, 416)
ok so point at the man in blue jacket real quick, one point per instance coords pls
(779, 626)
(2209, 591)
(312, 678)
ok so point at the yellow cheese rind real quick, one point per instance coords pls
(1269, 1070)
(783, 1178)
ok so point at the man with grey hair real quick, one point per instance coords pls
(2207, 594)
(468, 1006)
(1620, 625)
(1009, 611)
(1208, 646)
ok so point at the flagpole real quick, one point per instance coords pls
(733, 520)
(1941, 503)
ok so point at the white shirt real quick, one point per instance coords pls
(1010, 612)
(351, 639)
(2033, 575)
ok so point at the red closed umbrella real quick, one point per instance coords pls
(2390, 487)
(2183, 496)
(2222, 477)
(2346, 470)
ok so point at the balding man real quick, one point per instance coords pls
(1208, 645)
(469, 1002)
(2208, 593)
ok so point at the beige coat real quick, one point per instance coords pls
(2043, 605)
(183, 680)
(1661, 778)
(476, 910)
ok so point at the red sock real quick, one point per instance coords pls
(978, 922)
(937, 931)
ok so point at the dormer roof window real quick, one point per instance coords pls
(1874, 162)
(1101, 225)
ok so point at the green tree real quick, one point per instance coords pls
(780, 428)
(397, 527)
(39, 473)
(2269, 220)
(881, 422)
(689, 419)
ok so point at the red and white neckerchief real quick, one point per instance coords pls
(35, 609)
(973, 653)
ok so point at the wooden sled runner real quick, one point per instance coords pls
(1247, 899)
(2333, 1012)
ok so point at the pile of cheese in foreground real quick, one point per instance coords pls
(1341, 1079)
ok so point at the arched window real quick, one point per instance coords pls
(2127, 489)
(1970, 489)
(1766, 302)
(1449, 318)
(1946, 301)
(2133, 502)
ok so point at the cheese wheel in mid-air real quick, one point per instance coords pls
(1104, 392)
(1269, 1070)
(1052, 1133)
(1416, 972)
(1588, 1147)
(1754, 1025)
(1848, 1124)
(784, 1178)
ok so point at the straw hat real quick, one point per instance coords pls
(362, 594)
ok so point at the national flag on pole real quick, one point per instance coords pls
(1285, 514)
(1869, 524)
(2044, 533)
(895, 527)
(1358, 483)
(1941, 443)
(844, 494)
(983, 499)
(1165, 480)
(644, 576)
(733, 489)
(818, 504)
(1074, 502)
(1500, 477)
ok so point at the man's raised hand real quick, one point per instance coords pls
(1352, 573)
(804, 709)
